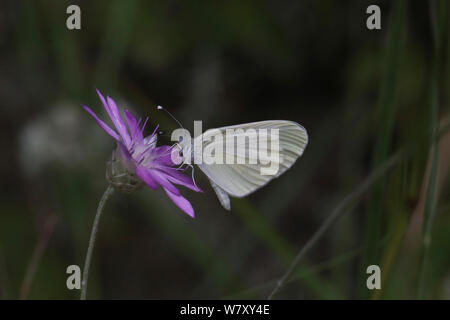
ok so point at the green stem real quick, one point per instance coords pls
(431, 193)
(337, 213)
(87, 262)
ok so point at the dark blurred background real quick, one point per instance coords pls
(362, 94)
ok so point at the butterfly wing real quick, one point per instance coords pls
(239, 180)
(223, 197)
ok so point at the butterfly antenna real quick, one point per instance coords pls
(167, 111)
(193, 177)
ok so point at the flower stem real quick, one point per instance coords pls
(87, 262)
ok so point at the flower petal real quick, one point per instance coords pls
(151, 140)
(161, 179)
(133, 126)
(111, 108)
(182, 203)
(162, 156)
(102, 99)
(118, 121)
(145, 176)
(125, 153)
(175, 176)
(103, 125)
(105, 105)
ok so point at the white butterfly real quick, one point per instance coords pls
(245, 177)
(239, 180)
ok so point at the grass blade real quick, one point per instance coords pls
(337, 213)
(430, 202)
(386, 119)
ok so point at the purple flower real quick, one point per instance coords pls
(140, 156)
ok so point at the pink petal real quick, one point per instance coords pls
(163, 155)
(125, 151)
(103, 125)
(105, 105)
(181, 202)
(145, 176)
(175, 176)
(161, 179)
(102, 99)
(113, 113)
(118, 121)
(133, 126)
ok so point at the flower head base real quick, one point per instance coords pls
(137, 160)
(119, 177)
